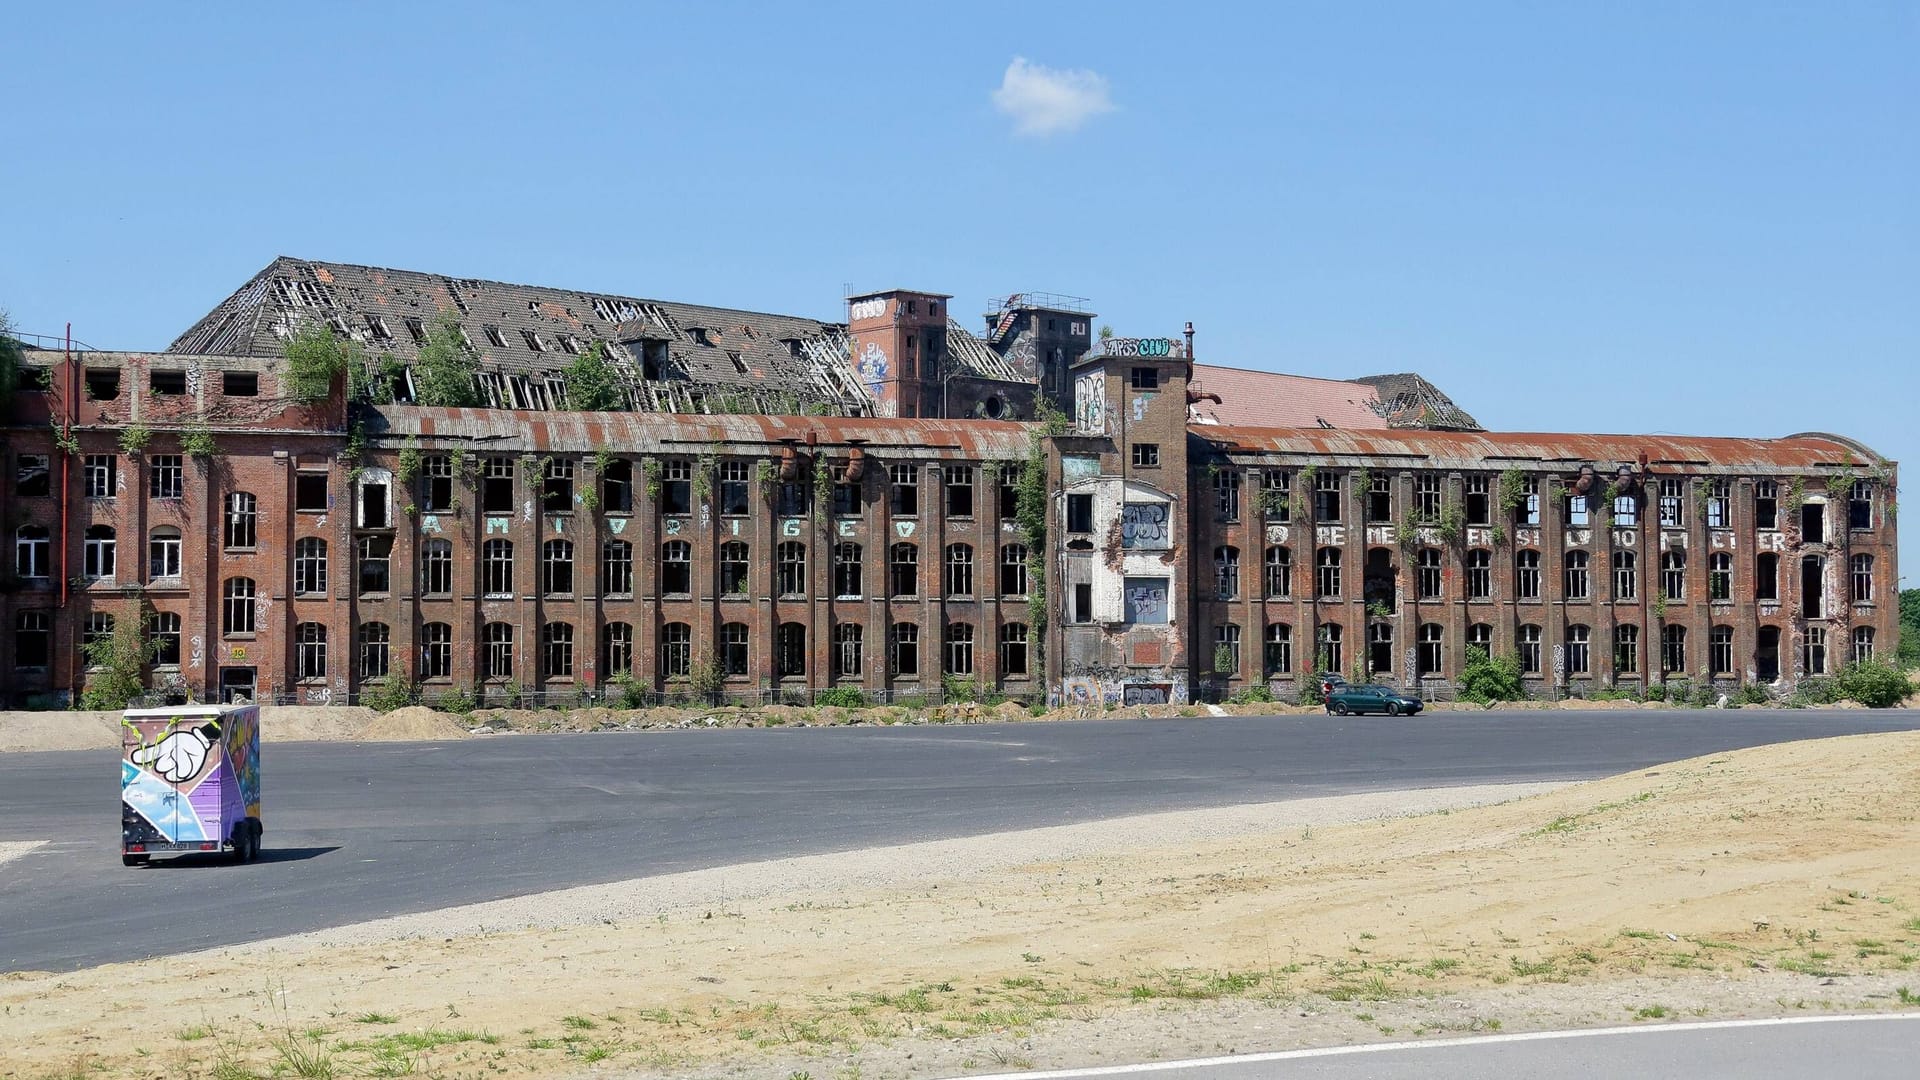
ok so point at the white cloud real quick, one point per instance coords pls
(1043, 101)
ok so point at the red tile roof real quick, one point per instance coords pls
(1270, 399)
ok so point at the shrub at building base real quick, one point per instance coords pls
(842, 697)
(1873, 684)
(1487, 679)
(386, 695)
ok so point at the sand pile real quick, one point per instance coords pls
(411, 724)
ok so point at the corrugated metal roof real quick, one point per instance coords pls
(1482, 449)
(585, 432)
(1271, 399)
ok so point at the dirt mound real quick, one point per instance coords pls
(296, 723)
(59, 730)
(415, 723)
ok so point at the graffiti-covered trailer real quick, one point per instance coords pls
(190, 781)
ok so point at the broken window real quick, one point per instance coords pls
(309, 566)
(1276, 495)
(676, 568)
(436, 651)
(30, 475)
(1082, 611)
(376, 564)
(377, 326)
(167, 383)
(792, 500)
(1719, 515)
(1529, 640)
(1860, 505)
(790, 651)
(241, 520)
(792, 560)
(236, 607)
(1625, 575)
(1327, 572)
(959, 570)
(1479, 502)
(1626, 510)
(1816, 650)
(101, 473)
(1812, 587)
(1013, 649)
(1673, 649)
(1430, 652)
(1863, 644)
(1009, 491)
(1720, 650)
(616, 486)
(1479, 574)
(556, 567)
(99, 551)
(533, 341)
(496, 655)
(496, 485)
(1673, 575)
(166, 476)
(496, 564)
(959, 491)
(1720, 576)
(1626, 649)
(1579, 584)
(1080, 513)
(1145, 378)
(103, 384)
(374, 641)
(1013, 570)
(240, 383)
(1673, 501)
(848, 639)
(1426, 498)
(846, 499)
(1326, 496)
(1226, 649)
(616, 568)
(1279, 651)
(1766, 505)
(163, 553)
(903, 569)
(1226, 494)
(1813, 523)
(1526, 575)
(417, 330)
(493, 337)
(436, 484)
(557, 491)
(568, 344)
(1380, 498)
(310, 491)
(1226, 573)
(847, 570)
(1577, 516)
(735, 480)
(1429, 575)
(1577, 656)
(905, 492)
(436, 568)
(676, 488)
(1530, 510)
(1279, 573)
(734, 568)
(1146, 455)
(1766, 576)
(1862, 569)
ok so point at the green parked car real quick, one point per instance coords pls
(1370, 698)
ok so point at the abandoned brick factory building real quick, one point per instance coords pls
(776, 505)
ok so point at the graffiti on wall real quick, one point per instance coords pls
(1089, 403)
(1143, 527)
(1146, 600)
(1125, 346)
(867, 309)
(872, 366)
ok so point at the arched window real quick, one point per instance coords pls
(616, 649)
(1579, 585)
(1579, 661)
(309, 566)
(1226, 649)
(903, 567)
(436, 568)
(1673, 649)
(616, 568)
(436, 651)
(496, 655)
(1720, 576)
(733, 568)
(1766, 576)
(99, 552)
(847, 567)
(556, 567)
(1379, 647)
(676, 651)
(1327, 571)
(1526, 574)
(310, 651)
(1430, 652)
(1279, 656)
(848, 643)
(242, 519)
(1013, 570)
(97, 632)
(959, 648)
(676, 568)
(960, 571)
(236, 606)
(496, 565)
(376, 564)
(374, 639)
(1862, 644)
(790, 651)
(1013, 649)
(1529, 642)
(1479, 574)
(1226, 572)
(733, 648)
(1626, 649)
(1279, 580)
(1862, 566)
(792, 557)
(1480, 635)
(1625, 576)
(1428, 573)
(1673, 575)
(556, 650)
(1815, 650)
(163, 629)
(32, 551)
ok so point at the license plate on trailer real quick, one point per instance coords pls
(150, 849)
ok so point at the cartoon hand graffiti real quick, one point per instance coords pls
(179, 756)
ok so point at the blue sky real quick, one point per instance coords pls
(1622, 217)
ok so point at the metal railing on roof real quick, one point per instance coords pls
(50, 342)
(1050, 301)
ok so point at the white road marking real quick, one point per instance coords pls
(13, 849)
(1465, 1040)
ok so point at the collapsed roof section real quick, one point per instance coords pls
(672, 357)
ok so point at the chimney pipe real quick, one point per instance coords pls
(1189, 337)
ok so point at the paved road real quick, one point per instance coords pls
(1858, 1048)
(359, 831)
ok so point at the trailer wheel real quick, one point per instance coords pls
(242, 841)
(254, 832)
(133, 860)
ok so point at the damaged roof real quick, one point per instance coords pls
(672, 355)
(1483, 449)
(1273, 399)
(621, 432)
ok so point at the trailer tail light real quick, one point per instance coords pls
(136, 848)
(209, 846)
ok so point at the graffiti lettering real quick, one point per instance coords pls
(1143, 526)
(1146, 600)
(674, 524)
(1145, 693)
(1089, 404)
(845, 527)
(867, 309)
(1137, 346)
(790, 527)
(499, 524)
(199, 651)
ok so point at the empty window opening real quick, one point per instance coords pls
(376, 565)
(1380, 498)
(1673, 502)
(1813, 523)
(436, 484)
(310, 491)
(240, 383)
(959, 491)
(557, 491)
(533, 341)
(373, 505)
(30, 475)
(1146, 455)
(1082, 602)
(616, 486)
(377, 326)
(1812, 584)
(739, 365)
(496, 485)
(417, 330)
(1379, 648)
(1766, 576)
(1766, 505)
(1479, 502)
(676, 568)
(556, 567)
(735, 480)
(676, 489)
(1326, 496)
(1145, 378)
(167, 383)
(103, 384)
(493, 337)
(1860, 505)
